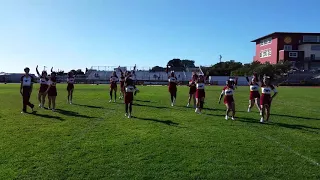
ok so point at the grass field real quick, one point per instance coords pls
(92, 139)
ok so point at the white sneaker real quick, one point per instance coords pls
(40, 105)
(172, 104)
(110, 100)
(70, 102)
(261, 120)
(249, 110)
(188, 105)
(260, 113)
(129, 116)
(126, 114)
(226, 118)
(196, 110)
(233, 119)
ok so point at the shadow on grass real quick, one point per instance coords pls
(298, 117)
(89, 106)
(71, 113)
(290, 126)
(144, 105)
(167, 122)
(46, 116)
(142, 101)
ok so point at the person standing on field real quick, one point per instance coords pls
(26, 85)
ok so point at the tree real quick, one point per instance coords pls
(60, 73)
(188, 63)
(157, 69)
(79, 72)
(175, 63)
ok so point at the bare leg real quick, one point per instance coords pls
(189, 99)
(53, 102)
(251, 103)
(227, 111)
(69, 92)
(194, 99)
(49, 103)
(115, 95)
(262, 113)
(233, 108)
(257, 102)
(71, 95)
(43, 99)
(267, 112)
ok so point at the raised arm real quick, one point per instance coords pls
(120, 70)
(52, 69)
(37, 71)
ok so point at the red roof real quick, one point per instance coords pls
(276, 33)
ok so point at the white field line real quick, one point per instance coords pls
(312, 161)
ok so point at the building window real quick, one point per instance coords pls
(287, 47)
(310, 39)
(315, 47)
(265, 53)
(265, 41)
(269, 40)
(293, 54)
(261, 43)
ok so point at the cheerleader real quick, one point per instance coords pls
(122, 80)
(192, 90)
(200, 94)
(43, 87)
(173, 87)
(113, 86)
(254, 97)
(52, 90)
(227, 92)
(70, 86)
(26, 90)
(266, 98)
(128, 95)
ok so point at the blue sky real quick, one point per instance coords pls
(72, 34)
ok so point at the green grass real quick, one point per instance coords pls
(93, 140)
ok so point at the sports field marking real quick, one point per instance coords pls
(293, 151)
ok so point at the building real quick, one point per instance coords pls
(302, 49)
(12, 77)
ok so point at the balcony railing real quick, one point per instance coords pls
(312, 59)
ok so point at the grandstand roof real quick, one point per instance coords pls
(277, 33)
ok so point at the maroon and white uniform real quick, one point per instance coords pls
(70, 81)
(172, 85)
(43, 84)
(192, 87)
(200, 92)
(129, 90)
(113, 82)
(122, 80)
(266, 94)
(53, 89)
(228, 94)
(254, 91)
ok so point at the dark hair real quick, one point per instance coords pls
(25, 69)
